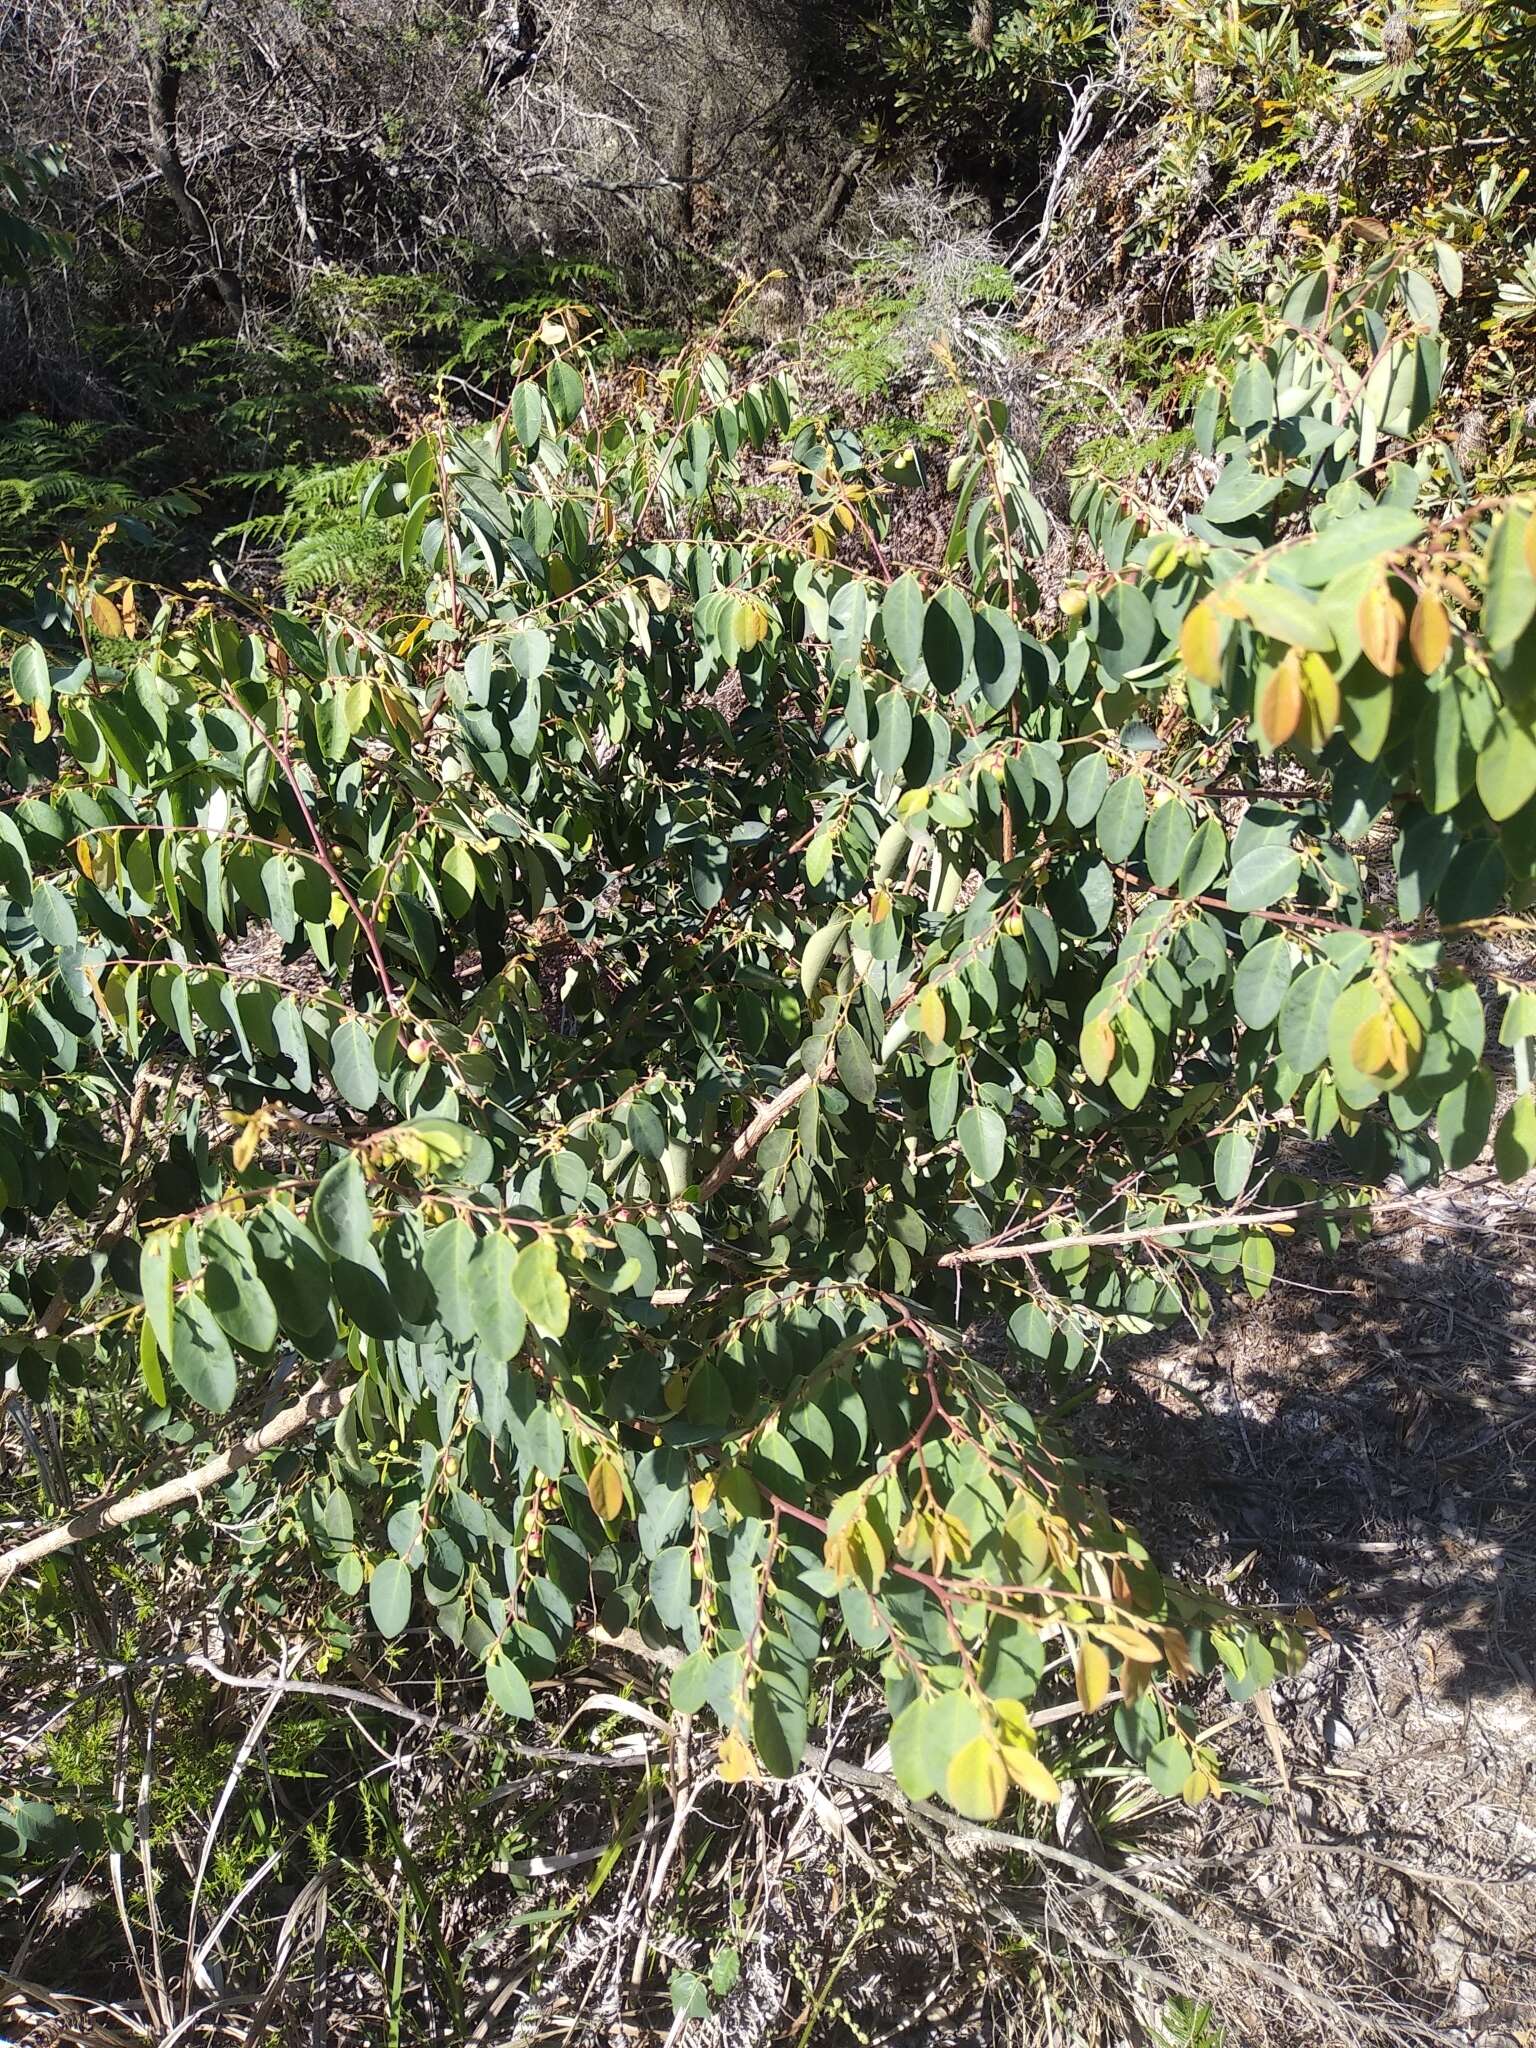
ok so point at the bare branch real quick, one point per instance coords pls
(324, 1400)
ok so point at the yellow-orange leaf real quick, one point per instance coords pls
(751, 625)
(1099, 1046)
(735, 1762)
(1030, 1775)
(1429, 631)
(976, 1783)
(1379, 622)
(1371, 1045)
(930, 1014)
(1279, 704)
(605, 1490)
(856, 1552)
(1092, 1677)
(246, 1145)
(1410, 1027)
(105, 616)
(1176, 1650)
(1131, 1643)
(1200, 639)
(1320, 702)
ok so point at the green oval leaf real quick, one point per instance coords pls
(389, 1596)
(983, 1139)
(201, 1360)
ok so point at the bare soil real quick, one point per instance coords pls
(1362, 1445)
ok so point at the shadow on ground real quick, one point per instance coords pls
(1362, 1444)
(1366, 1437)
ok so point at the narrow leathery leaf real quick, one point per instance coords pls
(1130, 1073)
(893, 732)
(232, 1286)
(157, 1284)
(1093, 1676)
(1506, 768)
(1429, 632)
(339, 1210)
(1261, 981)
(901, 619)
(1235, 1151)
(1283, 615)
(949, 639)
(1379, 623)
(449, 1272)
(1509, 599)
(1321, 703)
(1304, 1015)
(389, 1596)
(1465, 1117)
(976, 1783)
(1258, 1262)
(818, 951)
(1168, 1767)
(1370, 1044)
(688, 1689)
(1278, 707)
(352, 1064)
(983, 1139)
(1514, 1142)
(671, 1585)
(894, 841)
(528, 414)
(540, 1287)
(53, 915)
(150, 1368)
(30, 677)
(647, 1133)
(1030, 1775)
(544, 1438)
(605, 1490)
(912, 1760)
(1204, 858)
(1263, 875)
(855, 1068)
(1121, 817)
(202, 1363)
(1086, 786)
(1098, 1046)
(508, 1688)
(498, 1317)
(943, 1100)
(1168, 833)
(734, 1761)
(1200, 644)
